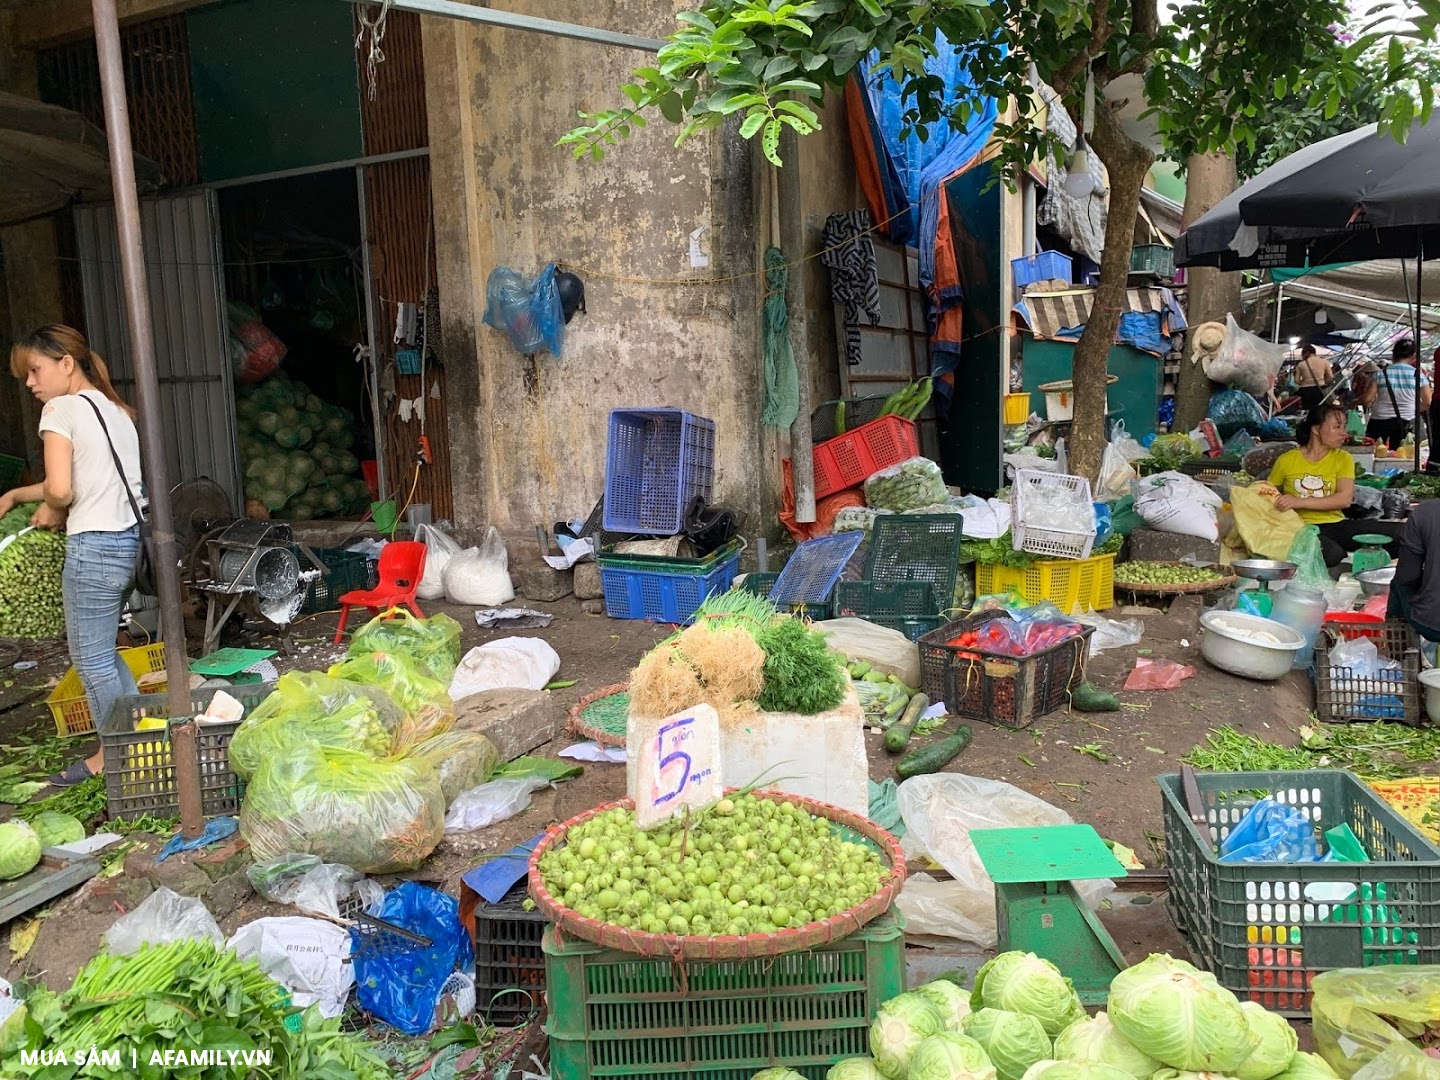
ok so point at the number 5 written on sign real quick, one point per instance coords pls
(666, 760)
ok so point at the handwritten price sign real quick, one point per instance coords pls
(678, 762)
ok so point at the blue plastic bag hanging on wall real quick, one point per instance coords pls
(529, 312)
(398, 981)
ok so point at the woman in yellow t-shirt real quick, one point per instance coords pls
(1317, 481)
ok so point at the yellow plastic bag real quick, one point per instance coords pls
(433, 643)
(1266, 532)
(426, 701)
(308, 708)
(1359, 1014)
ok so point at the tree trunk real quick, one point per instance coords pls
(1127, 162)
(1212, 294)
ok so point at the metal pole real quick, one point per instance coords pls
(1279, 302)
(1419, 361)
(372, 338)
(475, 13)
(147, 393)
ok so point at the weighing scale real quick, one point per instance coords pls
(1371, 554)
(1037, 908)
(1258, 601)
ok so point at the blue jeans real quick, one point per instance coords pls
(99, 567)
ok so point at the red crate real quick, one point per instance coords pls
(849, 460)
(1357, 624)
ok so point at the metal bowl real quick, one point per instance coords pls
(1227, 640)
(1376, 582)
(1265, 569)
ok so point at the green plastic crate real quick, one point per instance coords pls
(616, 1014)
(1154, 259)
(345, 571)
(1267, 929)
(761, 584)
(669, 564)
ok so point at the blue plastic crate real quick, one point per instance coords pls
(810, 575)
(656, 462)
(1046, 266)
(662, 596)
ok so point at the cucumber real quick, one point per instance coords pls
(876, 677)
(859, 669)
(1087, 697)
(898, 737)
(934, 757)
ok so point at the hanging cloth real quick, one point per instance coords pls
(879, 181)
(782, 381)
(848, 252)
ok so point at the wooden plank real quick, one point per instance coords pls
(58, 873)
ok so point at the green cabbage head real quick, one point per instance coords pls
(1277, 1043)
(949, 1056)
(1022, 982)
(1180, 1016)
(19, 850)
(902, 1024)
(777, 1074)
(1073, 1070)
(55, 829)
(1013, 1041)
(950, 998)
(1305, 1066)
(855, 1069)
(1176, 1074)
(1096, 1040)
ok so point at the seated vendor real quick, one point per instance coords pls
(1317, 481)
(1415, 589)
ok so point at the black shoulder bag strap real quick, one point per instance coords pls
(1390, 389)
(145, 557)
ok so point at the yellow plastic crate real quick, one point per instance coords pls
(1017, 408)
(68, 703)
(1066, 583)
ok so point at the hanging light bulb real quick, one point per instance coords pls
(1079, 180)
(1321, 316)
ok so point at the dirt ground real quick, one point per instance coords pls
(1118, 796)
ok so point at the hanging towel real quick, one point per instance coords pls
(782, 381)
(849, 253)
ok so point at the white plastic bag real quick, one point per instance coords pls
(887, 651)
(324, 887)
(1174, 503)
(480, 576)
(491, 802)
(164, 916)
(939, 810)
(525, 663)
(1129, 447)
(1116, 475)
(1110, 633)
(306, 956)
(1245, 361)
(439, 550)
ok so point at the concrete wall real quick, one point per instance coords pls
(529, 434)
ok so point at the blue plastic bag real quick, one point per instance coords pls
(1271, 832)
(1104, 524)
(400, 982)
(529, 312)
(1234, 411)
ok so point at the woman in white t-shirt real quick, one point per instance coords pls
(84, 493)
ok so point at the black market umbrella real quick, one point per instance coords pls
(1355, 197)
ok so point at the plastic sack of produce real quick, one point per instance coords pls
(433, 643)
(402, 986)
(856, 519)
(31, 562)
(425, 701)
(462, 760)
(1379, 1020)
(902, 488)
(1234, 411)
(379, 817)
(1173, 503)
(1244, 360)
(311, 709)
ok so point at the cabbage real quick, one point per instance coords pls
(1073, 1070)
(854, 1069)
(56, 829)
(948, 1056)
(1098, 1041)
(1180, 1015)
(267, 422)
(19, 850)
(1022, 982)
(1277, 1043)
(902, 1024)
(952, 1000)
(1305, 1066)
(1176, 1074)
(1013, 1040)
(777, 1074)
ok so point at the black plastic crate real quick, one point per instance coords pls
(1342, 696)
(1004, 690)
(858, 411)
(344, 572)
(509, 962)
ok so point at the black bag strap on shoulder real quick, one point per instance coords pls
(115, 457)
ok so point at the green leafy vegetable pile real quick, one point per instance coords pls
(31, 605)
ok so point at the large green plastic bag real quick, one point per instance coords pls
(1305, 553)
(425, 700)
(433, 643)
(1362, 1016)
(462, 760)
(311, 709)
(380, 817)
